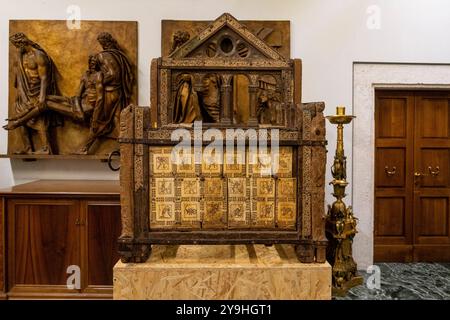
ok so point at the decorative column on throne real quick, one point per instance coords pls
(226, 96)
(253, 96)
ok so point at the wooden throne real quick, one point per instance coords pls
(230, 76)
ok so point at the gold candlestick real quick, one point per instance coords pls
(340, 223)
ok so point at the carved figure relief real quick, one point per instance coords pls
(186, 108)
(161, 163)
(213, 211)
(237, 211)
(213, 186)
(102, 91)
(190, 211)
(114, 83)
(261, 163)
(34, 79)
(210, 98)
(179, 38)
(192, 104)
(165, 211)
(269, 110)
(236, 187)
(284, 161)
(190, 187)
(286, 187)
(164, 187)
(265, 187)
(186, 166)
(286, 211)
(210, 165)
(265, 211)
(239, 202)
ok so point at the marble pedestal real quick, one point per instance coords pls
(222, 272)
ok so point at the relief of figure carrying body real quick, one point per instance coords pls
(105, 89)
(79, 107)
(117, 85)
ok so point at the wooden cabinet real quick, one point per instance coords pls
(52, 229)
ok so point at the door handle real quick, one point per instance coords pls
(79, 222)
(435, 172)
(390, 173)
(417, 176)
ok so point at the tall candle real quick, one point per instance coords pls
(340, 111)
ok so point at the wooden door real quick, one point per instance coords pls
(432, 177)
(394, 129)
(412, 178)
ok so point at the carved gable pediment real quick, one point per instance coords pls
(227, 38)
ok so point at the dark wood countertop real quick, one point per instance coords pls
(65, 187)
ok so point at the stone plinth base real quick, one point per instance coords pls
(222, 272)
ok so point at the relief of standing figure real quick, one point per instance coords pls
(186, 108)
(209, 98)
(34, 79)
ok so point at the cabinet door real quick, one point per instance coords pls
(103, 227)
(43, 241)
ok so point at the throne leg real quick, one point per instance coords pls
(305, 251)
(132, 252)
(321, 251)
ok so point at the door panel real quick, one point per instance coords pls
(44, 243)
(390, 217)
(392, 120)
(433, 117)
(393, 186)
(433, 217)
(103, 230)
(392, 222)
(431, 253)
(432, 160)
(434, 165)
(412, 202)
(391, 170)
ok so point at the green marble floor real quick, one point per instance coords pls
(406, 281)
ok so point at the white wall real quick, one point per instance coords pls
(329, 35)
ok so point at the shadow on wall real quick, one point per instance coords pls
(25, 171)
